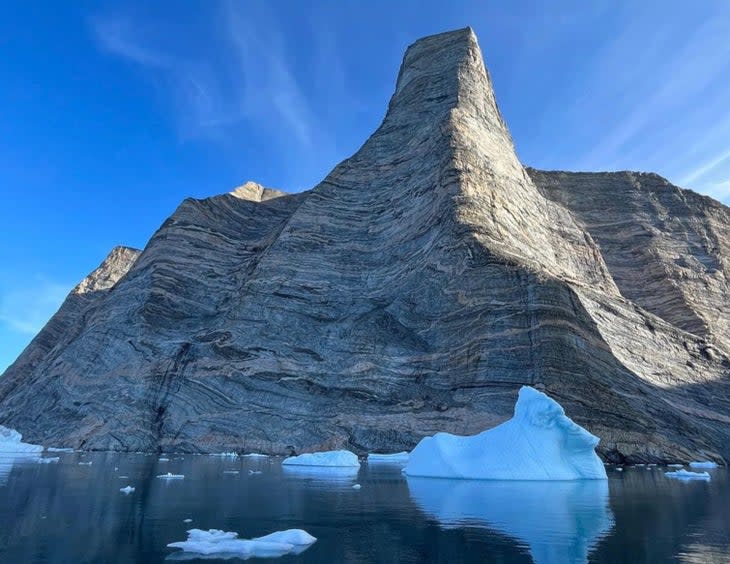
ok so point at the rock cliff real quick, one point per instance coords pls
(414, 290)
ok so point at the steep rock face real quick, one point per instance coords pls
(414, 290)
(668, 249)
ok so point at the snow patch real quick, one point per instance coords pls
(539, 443)
(338, 458)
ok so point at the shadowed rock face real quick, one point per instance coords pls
(414, 290)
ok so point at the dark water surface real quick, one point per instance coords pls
(69, 513)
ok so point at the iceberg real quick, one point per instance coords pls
(395, 458)
(127, 490)
(539, 443)
(255, 455)
(703, 464)
(57, 449)
(171, 476)
(558, 522)
(223, 544)
(687, 475)
(48, 460)
(11, 441)
(337, 458)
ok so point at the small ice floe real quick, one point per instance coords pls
(703, 464)
(48, 460)
(675, 465)
(122, 477)
(163, 460)
(11, 441)
(540, 442)
(225, 544)
(395, 458)
(187, 520)
(337, 458)
(356, 486)
(171, 476)
(255, 455)
(225, 454)
(619, 469)
(127, 490)
(87, 463)
(686, 475)
(230, 471)
(54, 449)
(254, 472)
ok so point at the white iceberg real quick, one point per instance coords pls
(127, 490)
(560, 522)
(171, 476)
(356, 486)
(539, 443)
(687, 475)
(703, 464)
(163, 460)
(87, 463)
(57, 449)
(395, 458)
(255, 455)
(48, 460)
(254, 472)
(222, 544)
(337, 458)
(230, 471)
(11, 441)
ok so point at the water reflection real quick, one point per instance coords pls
(559, 522)
(345, 475)
(10, 459)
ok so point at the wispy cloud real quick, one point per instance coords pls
(26, 310)
(246, 77)
(706, 167)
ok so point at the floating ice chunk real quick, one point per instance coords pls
(222, 544)
(255, 455)
(230, 471)
(342, 474)
(163, 460)
(87, 463)
(11, 441)
(356, 486)
(187, 520)
(619, 469)
(340, 458)
(539, 443)
(254, 472)
(226, 454)
(703, 464)
(48, 460)
(687, 475)
(54, 449)
(675, 465)
(127, 490)
(559, 521)
(395, 458)
(171, 476)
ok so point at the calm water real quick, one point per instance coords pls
(70, 513)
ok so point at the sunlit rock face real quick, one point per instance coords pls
(414, 290)
(539, 443)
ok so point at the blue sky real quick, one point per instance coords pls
(111, 113)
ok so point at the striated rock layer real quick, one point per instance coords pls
(414, 290)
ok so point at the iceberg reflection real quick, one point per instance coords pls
(9, 459)
(559, 522)
(342, 474)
